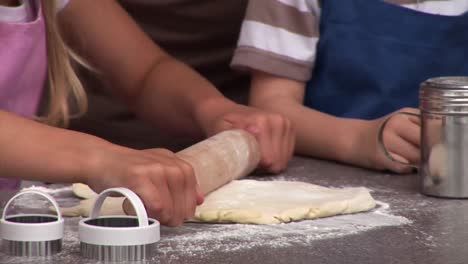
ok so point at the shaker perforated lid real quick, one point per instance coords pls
(444, 95)
(118, 238)
(31, 235)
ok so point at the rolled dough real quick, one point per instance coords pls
(261, 202)
(272, 202)
(83, 191)
(111, 206)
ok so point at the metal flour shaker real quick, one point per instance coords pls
(443, 169)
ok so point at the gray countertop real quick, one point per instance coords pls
(406, 227)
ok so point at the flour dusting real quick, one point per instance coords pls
(204, 239)
(48, 190)
(63, 195)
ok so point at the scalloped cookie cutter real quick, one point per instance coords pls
(118, 238)
(32, 235)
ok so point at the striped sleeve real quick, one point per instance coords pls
(279, 37)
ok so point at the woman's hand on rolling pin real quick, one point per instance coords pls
(274, 133)
(166, 184)
(401, 138)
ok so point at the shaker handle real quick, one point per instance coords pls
(131, 196)
(45, 195)
(382, 144)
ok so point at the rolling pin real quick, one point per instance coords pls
(224, 157)
(216, 161)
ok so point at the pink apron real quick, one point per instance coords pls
(23, 69)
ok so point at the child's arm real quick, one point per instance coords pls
(351, 141)
(33, 151)
(278, 45)
(159, 88)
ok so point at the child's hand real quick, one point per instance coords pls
(166, 184)
(274, 133)
(401, 137)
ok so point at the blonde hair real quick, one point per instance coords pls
(64, 84)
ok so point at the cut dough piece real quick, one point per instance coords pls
(272, 202)
(83, 191)
(111, 206)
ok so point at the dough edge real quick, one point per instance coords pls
(362, 201)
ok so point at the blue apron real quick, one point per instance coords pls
(372, 55)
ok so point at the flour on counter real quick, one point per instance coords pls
(192, 240)
(63, 195)
(50, 191)
(203, 240)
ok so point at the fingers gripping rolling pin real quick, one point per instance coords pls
(222, 158)
(216, 161)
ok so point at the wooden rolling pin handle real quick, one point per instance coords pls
(222, 158)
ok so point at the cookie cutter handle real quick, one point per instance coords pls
(131, 196)
(43, 194)
(381, 143)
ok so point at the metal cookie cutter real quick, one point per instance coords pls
(118, 238)
(32, 235)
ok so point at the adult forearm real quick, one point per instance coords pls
(33, 151)
(174, 102)
(159, 89)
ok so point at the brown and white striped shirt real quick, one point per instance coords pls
(280, 36)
